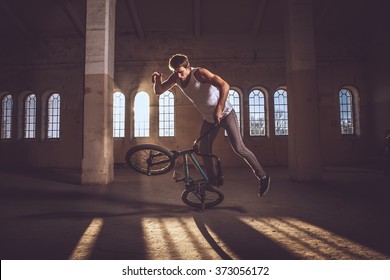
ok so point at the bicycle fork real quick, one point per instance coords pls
(199, 188)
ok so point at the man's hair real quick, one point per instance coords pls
(178, 60)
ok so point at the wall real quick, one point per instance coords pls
(244, 61)
(332, 76)
(54, 65)
(378, 73)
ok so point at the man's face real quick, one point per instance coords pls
(183, 72)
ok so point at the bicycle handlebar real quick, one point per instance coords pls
(195, 146)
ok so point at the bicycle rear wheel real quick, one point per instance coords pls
(149, 159)
(196, 195)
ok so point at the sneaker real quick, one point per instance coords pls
(264, 186)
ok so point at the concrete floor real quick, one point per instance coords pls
(46, 216)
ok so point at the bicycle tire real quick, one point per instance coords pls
(149, 159)
(213, 197)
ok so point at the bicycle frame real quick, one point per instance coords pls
(151, 159)
(188, 155)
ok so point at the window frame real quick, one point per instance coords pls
(171, 115)
(355, 111)
(29, 120)
(146, 128)
(285, 113)
(48, 116)
(8, 117)
(264, 106)
(117, 117)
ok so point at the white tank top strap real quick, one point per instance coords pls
(205, 97)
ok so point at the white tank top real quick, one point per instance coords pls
(205, 97)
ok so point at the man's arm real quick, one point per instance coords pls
(159, 86)
(205, 76)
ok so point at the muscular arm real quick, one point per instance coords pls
(205, 76)
(159, 86)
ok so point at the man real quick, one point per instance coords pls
(209, 92)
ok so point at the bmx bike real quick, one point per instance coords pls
(151, 159)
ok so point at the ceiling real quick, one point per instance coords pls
(37, 19)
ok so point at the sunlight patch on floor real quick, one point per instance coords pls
(86, 244)
(179, 238)
(182, 238)
(307, 241)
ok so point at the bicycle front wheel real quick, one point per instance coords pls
(149, 159)
(199, 197)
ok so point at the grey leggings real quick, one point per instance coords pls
(230, 124)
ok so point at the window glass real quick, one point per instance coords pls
(167, 114)
(118, 114)
(30, 108)
(281, 112)
(346, 112)
(53, 114)
(257, 113)
(141, 115)
(6, 116)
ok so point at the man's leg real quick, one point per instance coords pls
(206, 144)
(230, 123)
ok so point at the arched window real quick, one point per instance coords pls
(235, 99)
(141, 114)
(257, 122)
(281, 112)
(53, 115)
(347, 113)
(166, 114)
(6, 117)
(118, 114)
(30, 108)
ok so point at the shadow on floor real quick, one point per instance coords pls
(138, 217)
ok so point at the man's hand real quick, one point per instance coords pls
(217, 115)
(156, 77)
(205, 76)
(160, 86)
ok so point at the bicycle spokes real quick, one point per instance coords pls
(150, 159)
(202, 196)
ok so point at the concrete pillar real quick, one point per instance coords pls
(98, 159)
(303, 108)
